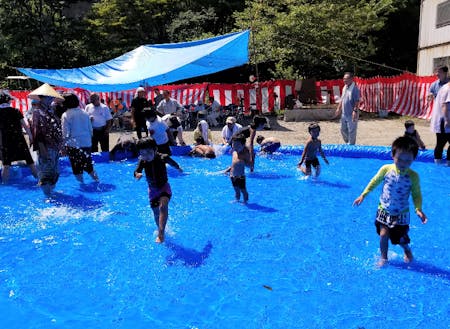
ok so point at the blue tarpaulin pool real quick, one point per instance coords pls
(298, 255)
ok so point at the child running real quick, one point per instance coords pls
(241, 157)
(410, 131)
(159, 191)
(399, 181)
(309, 155)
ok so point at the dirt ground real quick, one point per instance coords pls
(372, 130)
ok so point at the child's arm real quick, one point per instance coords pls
(420, 141)
(417, 197)
(172, 162)
(305, 151)
(322, 153)
(138, 171)
(374, 182)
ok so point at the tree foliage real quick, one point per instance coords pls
(305, 38)
(38, 33)
(290, 38)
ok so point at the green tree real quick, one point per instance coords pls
(37, 33)
(312, 38)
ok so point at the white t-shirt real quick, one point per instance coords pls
(158, 131)
(228, 133)
(443, 96)
(99, 114)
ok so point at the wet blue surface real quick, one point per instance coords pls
(298, 255)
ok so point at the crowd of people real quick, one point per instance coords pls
(56, 125)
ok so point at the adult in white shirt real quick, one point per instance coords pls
(440, 123)
(214, 112)
(77, 134)
(159, 131)
(101, 120)
(168, 105)
(230, 128)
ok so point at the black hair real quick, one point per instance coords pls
(443, 69)
(312, 126)
(4, 97)
(238, 138)
(257, 121)
(146, 143)
(200, 140)
(405, 144)
(350, 74)
(148, 112)
(259, 139)
(409, 123)
(203, 114)
(173, 122)
(70, 100)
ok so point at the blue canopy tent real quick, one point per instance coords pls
(152, 65)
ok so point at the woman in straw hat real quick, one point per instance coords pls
(13, 146)
(47, 136)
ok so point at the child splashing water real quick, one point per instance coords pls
(309, 155)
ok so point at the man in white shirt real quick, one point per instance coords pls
(230, 128)
(101, 120)
(168, 105)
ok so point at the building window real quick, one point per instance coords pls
(440, 62)
(443, 14)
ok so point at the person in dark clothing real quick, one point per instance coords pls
(13, 146)
(138, 104)
(159, 192)
(411, 132)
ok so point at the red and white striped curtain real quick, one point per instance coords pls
(404, 94)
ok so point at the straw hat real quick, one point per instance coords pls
(44, 90)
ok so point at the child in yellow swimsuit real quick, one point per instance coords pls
(399, 181)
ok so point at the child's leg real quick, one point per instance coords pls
(317, 171)
(245, 194)
(34, 170)
(163, 214)
(384, 244)
(306, 170)
(408, 253)
(5, 174)
(237, 192)
(156, 215)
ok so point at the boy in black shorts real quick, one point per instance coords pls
(309, 155)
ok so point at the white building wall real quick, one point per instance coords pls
(433, 42)
(426, 57)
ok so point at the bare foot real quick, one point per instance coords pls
(408, 258)
(382, 262)
(160, 238)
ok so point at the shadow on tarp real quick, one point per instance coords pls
(424, 268)
(258, 207)
(186, 256)
(74, 201)
(97, 187)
